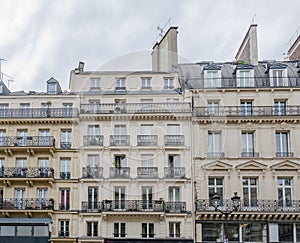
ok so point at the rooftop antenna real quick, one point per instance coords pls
(253, 19)
(1, 74)
(162, 30)
(293, 37)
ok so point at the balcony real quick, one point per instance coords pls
(26, 204)
(175, 207)
(249, 154)
(119, 140)
(123, 172)
(39, 113)
(29, 141)
(63, 234)
(215, 154)
(93, 140)
(174, 140)
(134, 108)
(241, 111)
(258, 205)
(65, 175)
(147, 140)
(91, 206)
(64, 206)
(284, 154)
(26, 172)
(147, 172)
(133, 205)
(65, 145)
(92, 172)
(174, 172)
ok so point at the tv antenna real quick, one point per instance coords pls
(1, 74)
(162, 30)
(253, 19)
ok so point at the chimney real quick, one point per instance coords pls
(294, 51)
(164, 54)
(248, 50)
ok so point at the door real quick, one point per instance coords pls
(20, 198)
(21, 169)
(44, 137)
(22, 137)
(120, 197)
(42, 196)
(43, 167)
(64, 199)
(174, 197)
(92, 197)
(147, 198)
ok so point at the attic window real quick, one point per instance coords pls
(278, 79)
(52, 88)
(212, 79)
(244, 78)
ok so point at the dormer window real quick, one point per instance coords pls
(244, 78)
(168, 83)
(278, 75)
(212, 79)
(120, 84)
(95, 83)
(52, 88)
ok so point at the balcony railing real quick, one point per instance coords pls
(26, 203)
(65, 175)
(119, 140)
(92, 172)
(38, 113)
(147, 140)
(63, 234)
(133, 108)
(258, 205)
(235, 111)
(65, 145)
(174, 140)
(133, 205)
(174, 172)
(91, 206)
(28, 141)
(175, 207)
(284, 154)
(26, 172)
(122, 172)
(93, 140)
(64, 206)
(147, 172)
(250, 154)
(215, 154)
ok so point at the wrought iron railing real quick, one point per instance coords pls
(259, 205)
(65, 175)
(63, 234)
(233, 111)
(64, 206)
(174, 172)
(122, 172)
(215, 154)
(26, 203)
(38, 112)
(119, 140)
(250, 154)
(147, 140)
(65, 145)
(91, 206)
(175, 207)
(284, 154)
(133, 205)
(26, 172)
(132, 108)
(28, 141)
(92, 172)
(147, 172)
(174, 140)
(93, 140)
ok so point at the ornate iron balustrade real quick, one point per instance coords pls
(92, 172)
(91, 206)
(249, 154)
(259, 205)
(234, 111)
(93, 140)
(147, 172)
(119, 140)
(122, 172)
(28, 141)
(65, 175)
(63, 234)
(64, 206)
(215, 154)
(26, 204)
(147, 140)
(174, 172)
(133, 205)
(175, 207)
(65, 145)
(284, 154)
(174, 140)
(26, 172)
(133, 108)
(38, 112)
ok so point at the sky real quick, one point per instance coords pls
(40, 39)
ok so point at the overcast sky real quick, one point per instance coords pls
(42, 39)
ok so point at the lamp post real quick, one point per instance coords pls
(236, 200)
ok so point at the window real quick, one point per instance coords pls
(279, 108)
(93, 160)
(1, 168)
(64, 199)
(285, 191)
(215, 185)
(173, 129)
(52, 88)
(213, 107)
(22, 137)
(212, 232)
(174, 194)
(211, 79)
(146, 83)
(65, 169)
(146, 129)
(282, 144)
(67, 109)
(246, 108)
(147, 160)
(92, 229)
(214, 144)
(3, 138)
(24, 109)
(147, 198)
(286, 233)
(120, 105)
(250, 192)
(21, 169)
(244, 79)
(174, 229)
(44, 138)
(168, 83)
(43, 163)
(64, 230)
(119, 197)
(42, 196)
(92, 197)
(248, 144)
(278, 79)
(1, 196)
(66, 139)
(147, 230)
(120, 137)
(120, 84)
(93, 107)
(95, 83)
(254, 232)
(20, 198)
(93, 130)
(119, 229)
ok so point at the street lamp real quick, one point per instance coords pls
(236, 200)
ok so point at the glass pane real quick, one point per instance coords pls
(7, 230)
(24, 230)
(211, 232)
(40, 231)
